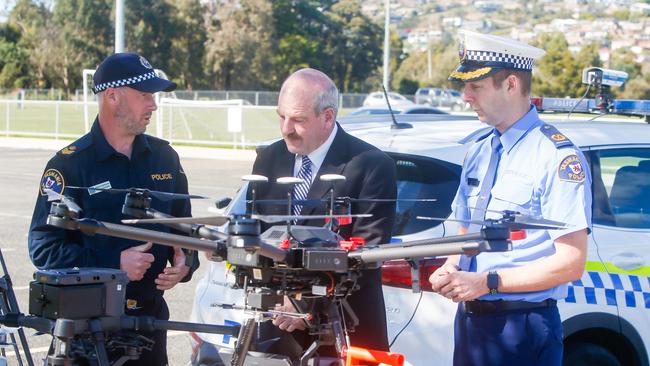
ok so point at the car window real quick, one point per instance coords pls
(421, 177)
(455, 93)
(621, 187)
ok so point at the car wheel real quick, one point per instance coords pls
(589, 354)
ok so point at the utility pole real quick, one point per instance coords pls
(429, 71)
(386, 44)
(119, 26)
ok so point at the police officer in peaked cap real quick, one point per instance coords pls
(507, 313)
(116, 153)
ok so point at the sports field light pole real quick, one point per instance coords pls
(119, 26)
(386, 43)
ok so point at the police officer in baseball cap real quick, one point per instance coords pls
(116, 153)
(507, 313)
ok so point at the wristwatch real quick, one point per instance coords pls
(493, 282)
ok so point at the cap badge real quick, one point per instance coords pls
(145, 63)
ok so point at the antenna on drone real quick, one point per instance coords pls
(254, 180)
(332, 179)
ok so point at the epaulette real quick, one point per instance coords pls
(556, 137)
(82, 143)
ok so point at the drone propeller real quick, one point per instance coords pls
(278, 218)
(56, 196)
(220, 220)
(514, 222)
(206, 220)
(318, 202)
(163, 196)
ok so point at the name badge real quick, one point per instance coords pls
(98, 188)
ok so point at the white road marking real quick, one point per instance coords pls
(4, 214)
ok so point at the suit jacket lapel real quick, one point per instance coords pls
(334, 163)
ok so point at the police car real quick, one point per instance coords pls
(606, 316)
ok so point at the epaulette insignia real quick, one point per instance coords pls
(69, 150)
(556, 137)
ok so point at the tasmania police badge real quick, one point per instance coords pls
(52, 179)
(570, 169)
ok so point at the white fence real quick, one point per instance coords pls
(229, 123)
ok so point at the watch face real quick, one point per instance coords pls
(493, 291)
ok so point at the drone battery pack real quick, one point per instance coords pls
(77, 293)
(314, 259)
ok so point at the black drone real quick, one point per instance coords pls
(300, 262)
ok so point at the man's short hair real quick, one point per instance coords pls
(328, 97)
(525, 78)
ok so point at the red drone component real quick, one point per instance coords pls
(342, 220)
(352, 244)
(286, 244)
(518, 235)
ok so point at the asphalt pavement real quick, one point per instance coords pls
(214, 173)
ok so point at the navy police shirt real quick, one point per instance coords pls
(92, 162)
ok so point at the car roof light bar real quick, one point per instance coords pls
(618, 106)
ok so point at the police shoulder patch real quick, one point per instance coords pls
(556, 137)
(52, 179)
(570, 169)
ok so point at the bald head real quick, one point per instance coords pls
(320, 86)
(307, 107)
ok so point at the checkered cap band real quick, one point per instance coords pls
(124, 82)
(512, 61)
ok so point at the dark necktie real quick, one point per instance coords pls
(300, 190)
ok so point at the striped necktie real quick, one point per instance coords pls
(300, 190)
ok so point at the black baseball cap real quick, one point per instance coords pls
(129, 69)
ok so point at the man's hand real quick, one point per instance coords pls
(135, 261)
(460, 286)
(288, 323)
(173, 275)
(437, 278)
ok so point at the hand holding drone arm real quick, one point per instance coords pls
(288, 323)
(135, 261)
(174, 274)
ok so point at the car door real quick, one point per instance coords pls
(621, 232)
(420, 325)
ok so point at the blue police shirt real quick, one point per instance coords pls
(540, 173)
(92, 162)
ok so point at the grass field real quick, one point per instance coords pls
(201, 125)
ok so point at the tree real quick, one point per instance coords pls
(83, 36)
(14, 59)
(33, 21)
(150, 28)
(444, 59)
(557, 73)
(354, 49)
(303, 33)
(238, 47)
(189, 45)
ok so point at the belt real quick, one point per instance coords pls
(489, 307)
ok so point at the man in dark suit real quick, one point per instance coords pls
(307, 108)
